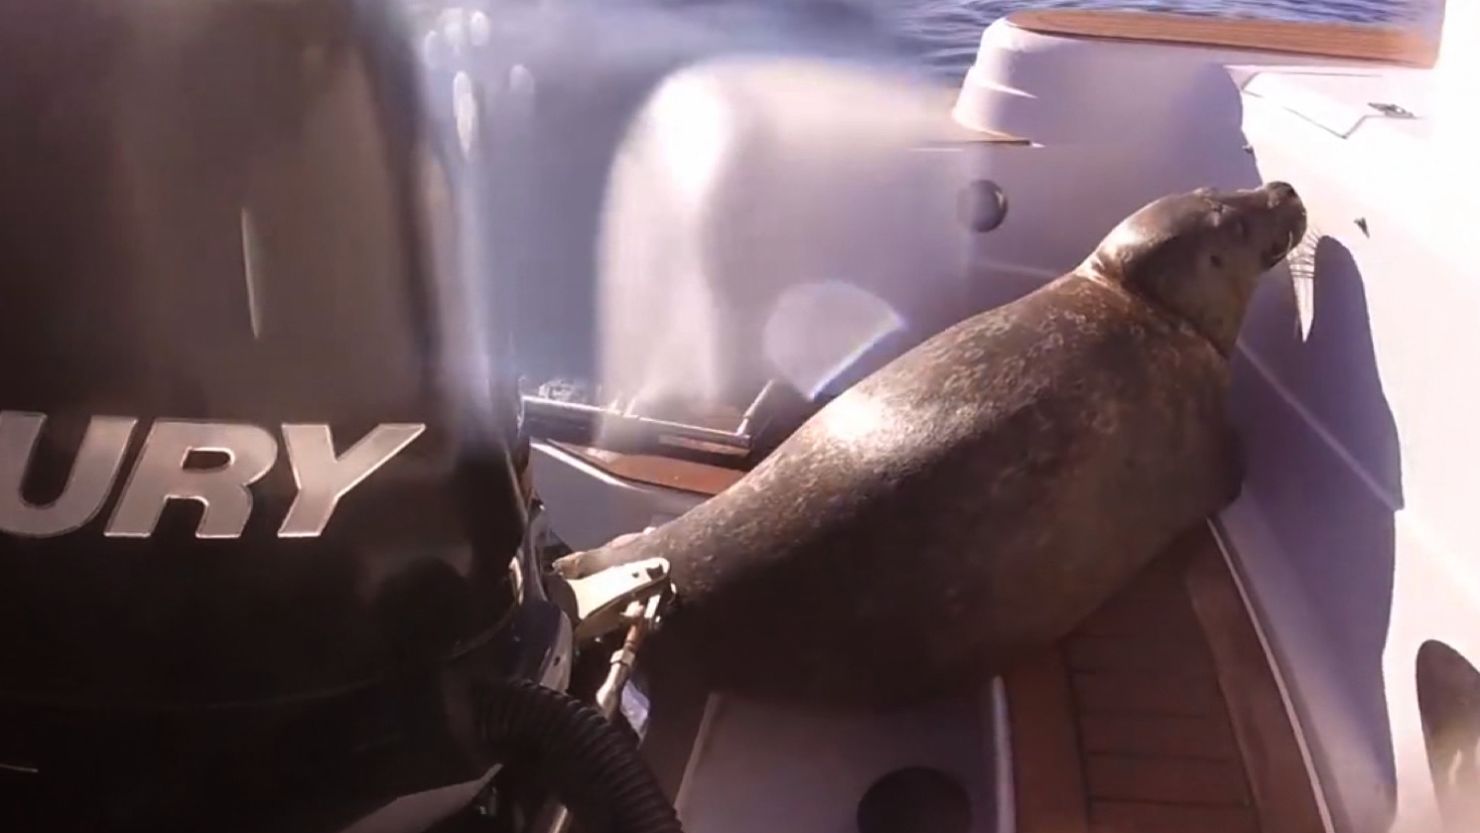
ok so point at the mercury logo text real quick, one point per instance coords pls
(160, 474)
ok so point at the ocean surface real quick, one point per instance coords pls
(944, 33)
(941, 36)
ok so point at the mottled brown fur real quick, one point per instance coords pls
(974, 499)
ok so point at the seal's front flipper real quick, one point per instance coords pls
(616, 551)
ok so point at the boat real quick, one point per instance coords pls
(250, 226)
(1302, 662)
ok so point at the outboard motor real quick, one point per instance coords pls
(264, 556)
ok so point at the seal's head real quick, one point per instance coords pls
(1198, 255)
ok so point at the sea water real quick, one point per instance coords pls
(942, 35)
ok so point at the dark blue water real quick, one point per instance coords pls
(942, 36)
(944, 33)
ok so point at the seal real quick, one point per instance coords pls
(982, 494)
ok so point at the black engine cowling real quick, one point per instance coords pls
(260, 453)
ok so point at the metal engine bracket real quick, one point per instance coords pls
(602, 600)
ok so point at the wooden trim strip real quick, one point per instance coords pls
(1381, 44)
(956, 133)
(655, 470)
(1048, 776)
(1138, 817)
(1275, 769)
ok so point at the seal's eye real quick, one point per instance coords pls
(1216, 261)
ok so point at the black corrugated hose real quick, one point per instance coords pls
(594, 769)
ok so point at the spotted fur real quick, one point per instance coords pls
(983, 493)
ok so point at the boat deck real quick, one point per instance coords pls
(1159, 714)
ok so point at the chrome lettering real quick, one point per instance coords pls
(323, 478)
(93, 473)
(160, 475)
